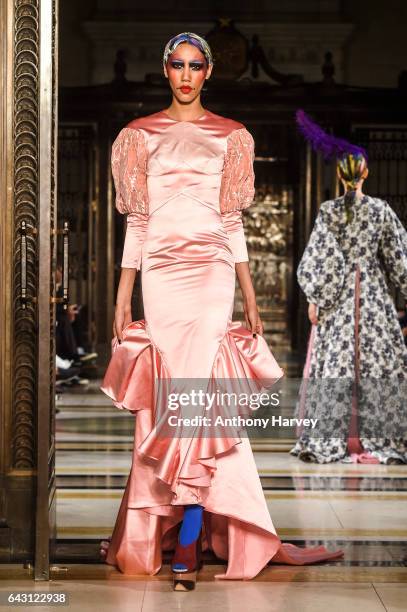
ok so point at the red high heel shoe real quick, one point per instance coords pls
(191, 557)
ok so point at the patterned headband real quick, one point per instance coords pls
(191, 38)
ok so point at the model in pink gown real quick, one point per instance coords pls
(183, 185)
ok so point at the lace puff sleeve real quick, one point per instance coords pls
(237, 189)
(129, 160)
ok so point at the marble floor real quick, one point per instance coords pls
(360, 508)
(151, 596)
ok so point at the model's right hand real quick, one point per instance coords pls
(122, 317)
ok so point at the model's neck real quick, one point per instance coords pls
(185, 112)
(358, 193)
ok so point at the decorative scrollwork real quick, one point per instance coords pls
(25, 127)
(268, 227)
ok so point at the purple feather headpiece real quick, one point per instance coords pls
(329, 145)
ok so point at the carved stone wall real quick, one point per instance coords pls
(290, 47)
(242, 10)
(295, 34)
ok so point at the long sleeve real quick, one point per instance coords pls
(133, 243)
(129, 159)
(393, 249)
(237, 189)
(321, 272)
(233, 224)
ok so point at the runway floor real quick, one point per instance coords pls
(360, 508)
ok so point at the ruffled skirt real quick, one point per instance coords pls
(169, 471)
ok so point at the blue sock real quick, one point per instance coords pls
(190, 528)
(191, 524)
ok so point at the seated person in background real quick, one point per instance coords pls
(70, 328)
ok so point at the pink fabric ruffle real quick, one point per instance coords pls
(171, 471)
(242, 362)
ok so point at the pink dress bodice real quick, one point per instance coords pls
(209, 160)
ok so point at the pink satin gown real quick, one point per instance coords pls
(183, 185)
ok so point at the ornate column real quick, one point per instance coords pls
(27, 183)
(19, 185)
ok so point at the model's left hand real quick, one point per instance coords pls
(313, 313)
(252, 317)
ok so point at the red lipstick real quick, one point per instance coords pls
(186, 89)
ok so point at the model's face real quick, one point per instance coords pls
(187, 71)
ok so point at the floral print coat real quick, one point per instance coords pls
(345, 270)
